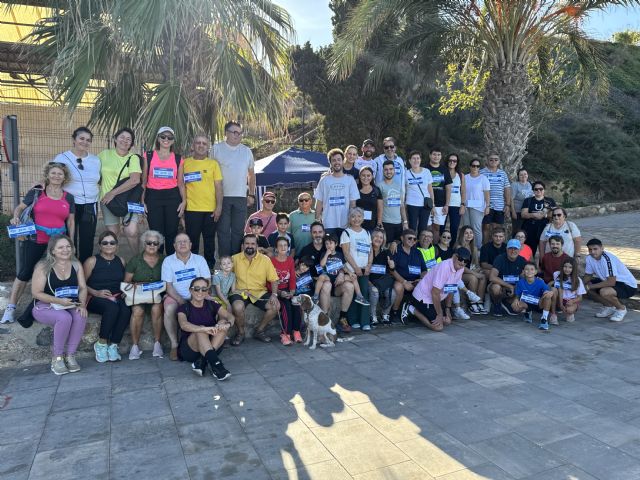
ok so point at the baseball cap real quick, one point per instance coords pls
(368, 141)
(514, 243)
(165, 129)
(269, 195)
(255, 221)
(463, 253)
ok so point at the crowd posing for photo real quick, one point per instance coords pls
(394, 241)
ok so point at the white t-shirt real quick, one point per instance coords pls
(235, 163)
(609, 266)
(475, 188)
(361, 162)
(567, 294)
(455, 200)
(568, 232)
(417, 186)
(180, 274)
(336, 193)
(84, 183)
(359, 246)
(398, 163)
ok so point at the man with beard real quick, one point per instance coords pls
(316, 250)
(394, 217)
(552, 261)
(389, 145)
(366, 160)
(253, 271)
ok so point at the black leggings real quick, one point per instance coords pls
(197, 223)
(162, 214)
(85, 232)
(291, 316)
(115, 317)
(30, 254)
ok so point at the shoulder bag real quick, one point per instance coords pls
(428, 201)
(142, 293)
(118, 206)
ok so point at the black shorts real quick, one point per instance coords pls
(261, 303)
(622, 289)
(532, 308)
(494, 216)
(428, 310)
(393, 231)
(185, 352)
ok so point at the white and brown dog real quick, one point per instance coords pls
(318, 322)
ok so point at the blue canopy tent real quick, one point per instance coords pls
(293, 167)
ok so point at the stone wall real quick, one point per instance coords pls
(603, 209)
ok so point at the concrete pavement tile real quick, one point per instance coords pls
(610, 405)
(632, 448)
(186, 381)
(136, 381)
(22, 424)
(507, 365)
(201, 437)
(318, 471)
(278, 367)
(440, 454)
(490, 378)
(246, 386)
(32, 381)
(545, 402)
(405, 471)
(165, 460)
(299, 387)
(199, 405)
(238, 461)
(142, 434)
(27, 398)
(134, 367)
(139, 405)
(73, 463)
(75, 427)
(473, 430)
(347, 440)
(538, 428)
(86, 378)
(517, 456)
(17, 459)
(88, 397)
(255, 412)
(607, 430)
(565, 472)
(481, 472)
(324, 412)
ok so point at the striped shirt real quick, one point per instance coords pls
(498, 182)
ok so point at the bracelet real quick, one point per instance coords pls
(251, 195)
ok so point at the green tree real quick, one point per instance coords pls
(189, 64)
(513, 40)
(628, 37)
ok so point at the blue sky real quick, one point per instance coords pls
(313, 21)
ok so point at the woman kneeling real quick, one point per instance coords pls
(204, 326)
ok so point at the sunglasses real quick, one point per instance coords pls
(410, 239)
(304, 200)
(166, 137)
(452, 161)
(475, 166)
(389, 147)
(108, 242)
(152, 243)
(557, 214)
(538, 189)
(445, 237)
(80, 166)
(200, 289)
(269, 201)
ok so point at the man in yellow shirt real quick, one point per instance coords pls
(253, 271)
(200, 181)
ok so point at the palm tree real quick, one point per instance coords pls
(190, 64)
(513, 40)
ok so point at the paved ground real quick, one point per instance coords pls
(488, 398)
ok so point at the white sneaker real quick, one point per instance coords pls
(570, 318)
(473, 298)
(374, 320)
(157, 350)
(606, 312)
(460, 314)
(8, 315)
(618, 315)
(135, 353)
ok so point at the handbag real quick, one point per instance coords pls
(118, 206)
(428, 201)
(26, 318)
(26, 217)
(142, 293)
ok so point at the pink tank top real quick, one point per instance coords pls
(50, 213)
(163, 174)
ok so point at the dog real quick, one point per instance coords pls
(318, 322)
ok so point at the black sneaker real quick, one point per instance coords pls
(199, 367)
(496, 311)
(219, 372)
(507, 309)
(395, 317)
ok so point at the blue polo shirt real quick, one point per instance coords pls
(409, 265)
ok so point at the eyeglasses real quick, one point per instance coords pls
(538, 189)
(453, 160)
(389, 147)
(475, 166)
(152, 243)
(200, 289)
(80, 166)
(179, 242)
(234, 132)
(304, 200)
(108, 242)
(269, 201)
(166, 137)
(557, 215)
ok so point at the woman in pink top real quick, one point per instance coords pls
(163, 201)
(266, 214)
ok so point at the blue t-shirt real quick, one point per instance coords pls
(531, 293)
(409, 266)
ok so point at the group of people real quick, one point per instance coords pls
(384, 237)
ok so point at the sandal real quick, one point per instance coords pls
(260, 335)
(238, 339)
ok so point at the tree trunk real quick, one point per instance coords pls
(506, 111)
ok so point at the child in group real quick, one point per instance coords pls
(531, 293)
(282, 221)
(224, 282)
(569, 287)
(304, 280)
(255, 224)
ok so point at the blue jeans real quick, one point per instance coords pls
(359, 313)
(418, 218)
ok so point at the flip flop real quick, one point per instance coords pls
(237, 340)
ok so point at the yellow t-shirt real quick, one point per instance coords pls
(112, 163)
(199, 178)
(254, 275)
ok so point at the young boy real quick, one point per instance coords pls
(224, 282)
(304, 280)
(282, 221)
(531, 293)
(255, 224)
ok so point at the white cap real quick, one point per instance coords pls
(165, 129)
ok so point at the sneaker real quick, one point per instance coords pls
(135, 352)
(473, 297)
(199, 367)
(285, 339)
(528, 317)
(404, 313)
(361, 300)
(356, 326)
(366, 328)
(8, 315)
(112, 353)
(606, 312)
(553, 319)
(496, 310)
(315, 298)
(570, 318)
(343, 325)
(58, 366)
(297, 336)
(460, 314)
(477, 309)
(374, 320)
(101, 352)
(219, 372)
(618, 315)
(544, 325)
(72, 364)
(157, 350)
(507, 308)
(386, 320)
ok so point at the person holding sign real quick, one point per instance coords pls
(163, 201)
(200, 182)
(178, 270)
(370, 200)
(104, 273)
(60, 295)
(146, 268)
(505, 273)
(409, 268)
(394, 216)
(419, 188)
(380, 278)
(43, 212)
(532, 294)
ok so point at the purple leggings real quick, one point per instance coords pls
(68, 326)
